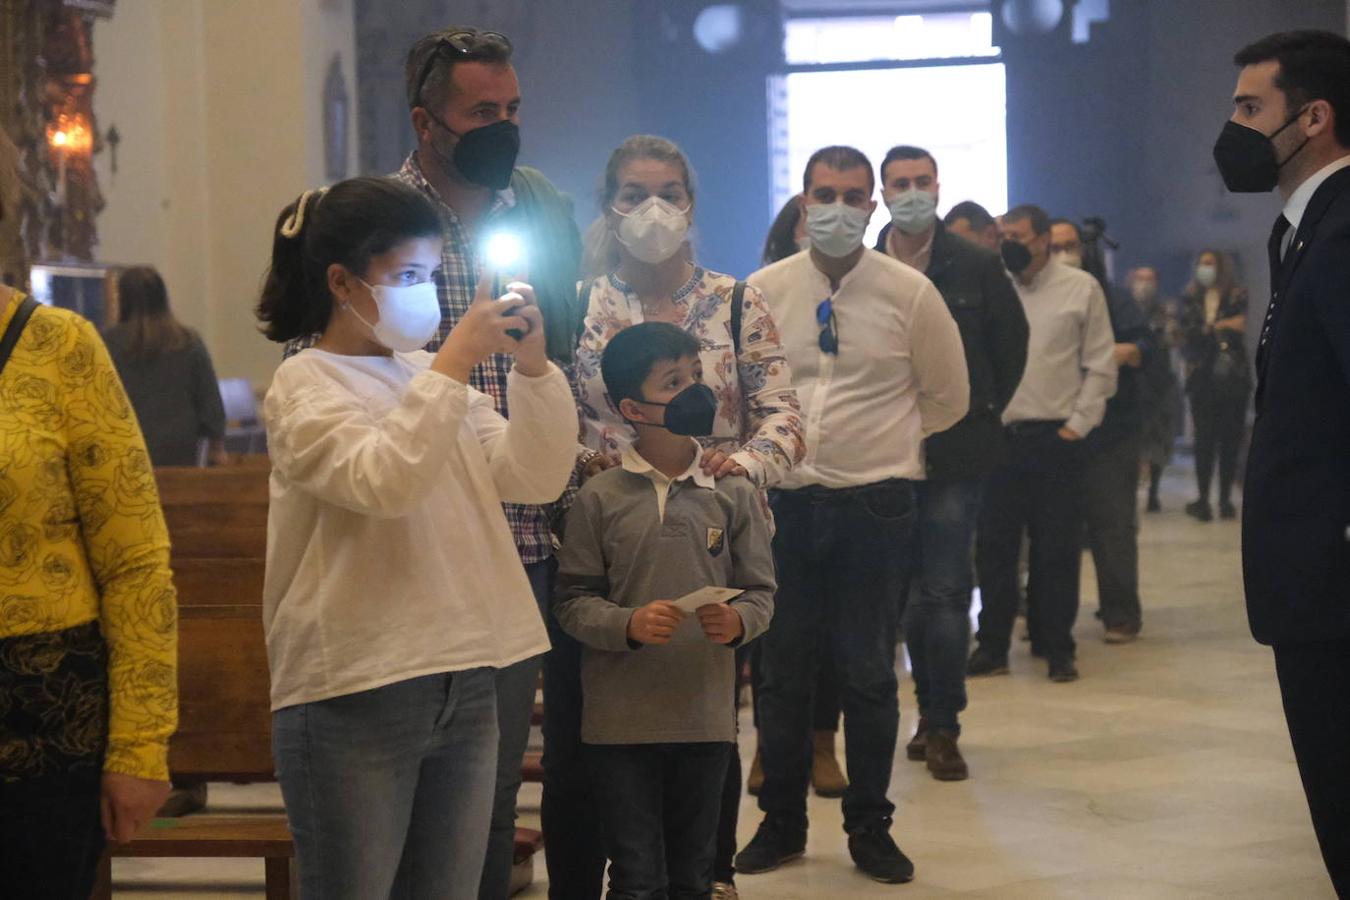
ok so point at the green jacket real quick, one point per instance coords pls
(542, 216)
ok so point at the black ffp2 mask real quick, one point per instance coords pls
(486, 156)
(1016, 256)
(691, 412)
(1246, 157)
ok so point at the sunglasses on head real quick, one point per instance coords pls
(829, 327)
(458, 44)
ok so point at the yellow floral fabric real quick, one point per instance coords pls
(82, 534)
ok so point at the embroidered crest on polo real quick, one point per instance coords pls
(717, 541)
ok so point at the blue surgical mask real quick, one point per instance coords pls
(836, 229)
(913, 211)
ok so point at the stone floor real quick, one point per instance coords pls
(1165, 772)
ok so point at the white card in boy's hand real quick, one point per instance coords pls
(707, 596)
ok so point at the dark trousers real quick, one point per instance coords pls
(658, 808)
(729, 817)
(937, 609)
(1220, 418)
(573, 851)
(1314, 679)
(1037, 491)
(515, 706)
(840, 557)
(51, 837)
(1111, 510)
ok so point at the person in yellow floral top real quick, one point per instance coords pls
(88, 612)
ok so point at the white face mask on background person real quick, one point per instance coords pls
(913, 211)
(409, 316)
(654, 231)
(1206, 274)
(836, 229)
(1069, 259)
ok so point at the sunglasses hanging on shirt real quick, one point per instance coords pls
(829, 327)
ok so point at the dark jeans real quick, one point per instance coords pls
(840, 557)
(51, 837)
(1220, 418)
(937, 611)
(515, 706)
(1039, 491)
(573, 851)
(1313, 682)
(658, 813)
(1111, 510)
(729, 818)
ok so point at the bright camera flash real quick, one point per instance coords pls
(503, 250)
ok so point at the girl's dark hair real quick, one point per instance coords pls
(782, 240)
(143, 312)
(346, 224)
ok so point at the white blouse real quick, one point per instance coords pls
(388, 554)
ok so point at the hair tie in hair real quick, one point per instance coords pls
(292, 227)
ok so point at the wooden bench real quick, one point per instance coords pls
(217, 522)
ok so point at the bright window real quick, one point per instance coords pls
(873, 38)
(956, 112)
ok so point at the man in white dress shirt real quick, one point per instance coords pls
(878, 364)
(1070, 374)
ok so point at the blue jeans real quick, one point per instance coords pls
(937, 611)
(841, 558)
(515, 705)
(659, 808)
(389, 791)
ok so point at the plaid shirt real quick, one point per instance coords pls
(456, 282)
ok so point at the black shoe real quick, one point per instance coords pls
(917, 748)
(773, 844)
(876, 854)
(984, 663)
(1063, 670)
(1227, 510)
(1154, 505)
(1200, 510)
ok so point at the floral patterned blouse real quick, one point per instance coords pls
(758, 416)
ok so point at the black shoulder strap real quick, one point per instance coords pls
(737, 301)
(583, 307)
(16, 324)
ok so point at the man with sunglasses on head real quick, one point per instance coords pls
(878, 364)
(464, 100)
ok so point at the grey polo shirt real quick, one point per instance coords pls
(634, 536)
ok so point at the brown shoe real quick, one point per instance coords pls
(944, 759)
(917, 748)
(756, 779)
(1121, 634)
(826, 776)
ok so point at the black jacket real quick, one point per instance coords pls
(1124, 414)
(994, 331)
(1296, 499)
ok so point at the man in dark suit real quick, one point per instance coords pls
(1291, 129)
(994, 332)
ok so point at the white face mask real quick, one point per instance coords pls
(836, 229)
(654, 231)
(1206, 274)
(913, 211)
(409, 316)
(1069, 259)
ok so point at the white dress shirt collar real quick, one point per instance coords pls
(1303, 194)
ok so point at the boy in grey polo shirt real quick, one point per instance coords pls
(658, 721)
